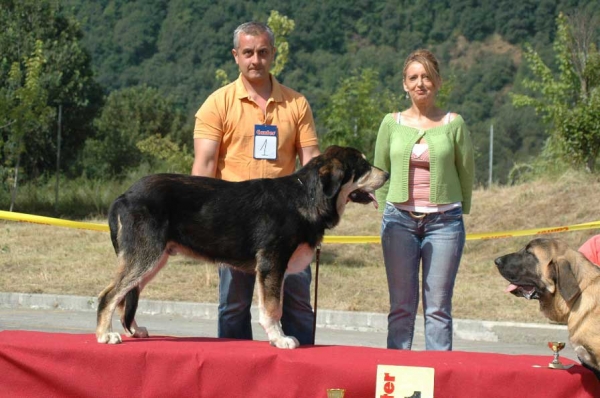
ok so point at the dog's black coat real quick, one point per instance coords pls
(255, 225)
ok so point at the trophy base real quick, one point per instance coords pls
(559, 365)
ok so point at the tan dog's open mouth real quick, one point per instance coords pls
(528, 292)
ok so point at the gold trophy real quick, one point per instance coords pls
(335, 393)
(556, 346)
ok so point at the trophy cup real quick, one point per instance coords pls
(335, 393)
(556, 346)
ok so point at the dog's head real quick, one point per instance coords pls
(345, 172)
(546, 270)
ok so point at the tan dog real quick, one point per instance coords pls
(567, 286)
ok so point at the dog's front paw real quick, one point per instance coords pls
(584, 355)
(288, 342)
(109, 338)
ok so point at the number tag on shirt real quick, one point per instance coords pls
(265, 141)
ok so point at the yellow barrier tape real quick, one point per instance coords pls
(7, 215)
(11, 216)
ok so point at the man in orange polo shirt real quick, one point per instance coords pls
(256, 128)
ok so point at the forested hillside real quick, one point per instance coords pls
(167, 52)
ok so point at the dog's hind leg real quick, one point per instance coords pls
(111, 297)
(104, 332)
(128, 306)
(136, 269)
(270, 306)
(127, 309)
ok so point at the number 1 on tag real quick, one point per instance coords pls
(265, 142)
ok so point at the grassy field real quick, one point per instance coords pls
(46, 259)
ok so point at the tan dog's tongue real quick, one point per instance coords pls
(510, 288)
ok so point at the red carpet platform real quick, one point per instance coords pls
(34, 364)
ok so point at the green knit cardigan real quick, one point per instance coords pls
(451, 161)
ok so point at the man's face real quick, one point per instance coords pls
(254, 56)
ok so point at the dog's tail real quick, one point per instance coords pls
(115, 216)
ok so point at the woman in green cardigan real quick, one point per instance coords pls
(429, 154)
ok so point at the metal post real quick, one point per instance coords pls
(58, 138)
(491, 154)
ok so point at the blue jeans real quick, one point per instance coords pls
(437, 240)
(235, 299)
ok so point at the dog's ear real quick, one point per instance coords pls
(331, 176)
(568, 287)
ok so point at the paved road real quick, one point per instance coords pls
(66, 314)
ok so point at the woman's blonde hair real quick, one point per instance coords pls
(429, 62)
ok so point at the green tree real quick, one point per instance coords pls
(27, 112)
(41, 27)
(177, 45)
(282, 26)
(168, 155)
(569, 102)
(129, 116)
(355, 112)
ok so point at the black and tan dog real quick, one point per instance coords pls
(266, 226)
(567, 286)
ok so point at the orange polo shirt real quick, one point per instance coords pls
(229, 116)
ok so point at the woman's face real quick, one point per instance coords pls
(418, 84)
